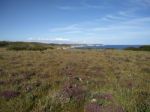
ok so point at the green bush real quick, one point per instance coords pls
(26, 46)
(142, 48)
(4, 43)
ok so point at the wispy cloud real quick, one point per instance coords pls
(135, 27)
(77, 20)
(110, 17)
(130, 5)
(93, 25)
(69, 7)
(120, 25)
(142, 2)
(94, 6)
(48, 39)
(127, 24)
(83, 4)
(74, 28)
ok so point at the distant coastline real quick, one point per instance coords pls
(44, 46)
(100, 46)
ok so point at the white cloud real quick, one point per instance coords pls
(113, 18)
(47, 39)
(66, 28)
(61, 39)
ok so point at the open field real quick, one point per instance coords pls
(71, 80)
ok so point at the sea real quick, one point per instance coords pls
(119, 47)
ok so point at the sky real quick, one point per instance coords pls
(76, 21)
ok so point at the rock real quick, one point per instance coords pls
(78, 78)
(93, 100)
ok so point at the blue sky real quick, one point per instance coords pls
(76, 21)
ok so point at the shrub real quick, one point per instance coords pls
(26, 46)
(4, 43)
(142, 48)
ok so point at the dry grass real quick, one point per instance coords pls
(74, 81)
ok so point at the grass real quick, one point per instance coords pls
(72, 80)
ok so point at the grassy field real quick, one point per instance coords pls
(71, 80)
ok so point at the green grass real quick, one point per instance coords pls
(68, 80)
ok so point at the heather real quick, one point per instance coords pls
(74, 80)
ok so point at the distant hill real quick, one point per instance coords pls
(25, 45)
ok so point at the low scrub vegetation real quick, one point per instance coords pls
(25, 46)
(21, 46)
(4, 43)
(73, 80)
(142, 48)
